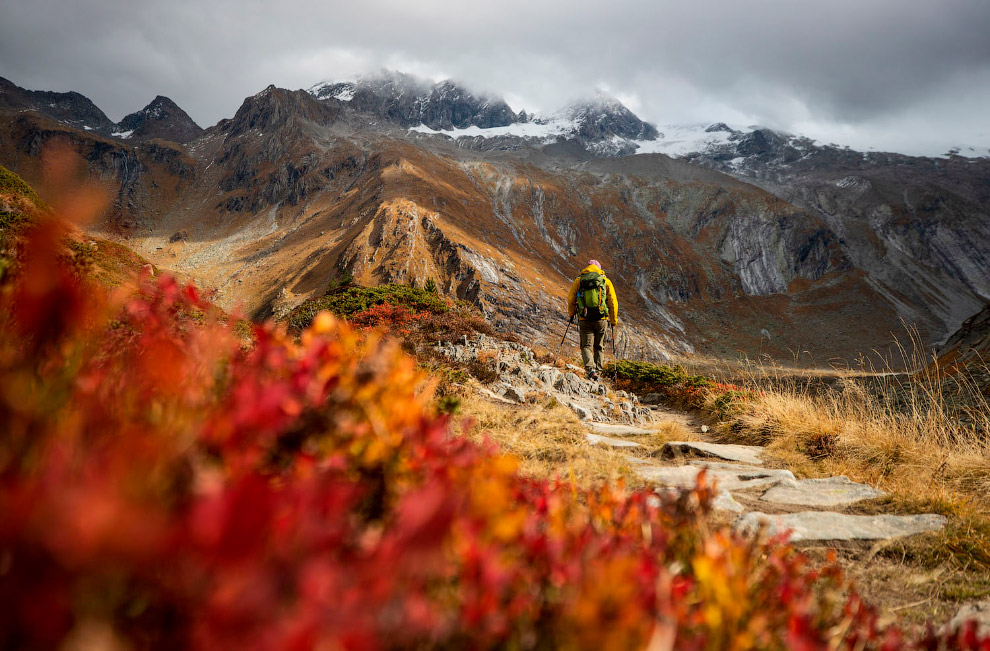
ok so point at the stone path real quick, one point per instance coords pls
(765, 498)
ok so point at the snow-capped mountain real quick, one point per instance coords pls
(602, 123)
(410, 101)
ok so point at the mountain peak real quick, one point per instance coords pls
(273, 107)
(161, 118)
(603, 116)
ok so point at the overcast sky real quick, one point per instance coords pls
(902, 75)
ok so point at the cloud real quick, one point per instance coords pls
(839, 68)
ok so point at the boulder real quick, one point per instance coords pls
(581, 412)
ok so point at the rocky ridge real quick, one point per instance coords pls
(161, 118)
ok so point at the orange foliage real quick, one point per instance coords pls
(163, 483)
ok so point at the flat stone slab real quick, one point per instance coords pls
(596, 439)
(827, 525)
(729, 476)
(618, 430)
(828, 492)
(739, 453)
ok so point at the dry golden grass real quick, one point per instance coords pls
(923, 440)
(905, 441)
(550, 441)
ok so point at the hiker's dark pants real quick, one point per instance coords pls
(592, 335)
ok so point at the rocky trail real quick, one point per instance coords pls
(752, 494)
(811, 509)
(762, 496)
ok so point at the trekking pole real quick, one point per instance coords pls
(615, 361)
(561, 347)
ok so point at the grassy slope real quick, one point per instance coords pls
(108, 262)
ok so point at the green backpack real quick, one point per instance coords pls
(591, 296)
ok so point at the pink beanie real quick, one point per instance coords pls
(595, 263)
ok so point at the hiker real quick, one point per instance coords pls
(592, 298)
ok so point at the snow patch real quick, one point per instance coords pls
(544, 130)
(683, 139)
(121, 134)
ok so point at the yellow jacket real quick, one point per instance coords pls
(613, 303)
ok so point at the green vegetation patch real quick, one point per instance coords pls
(17, 201)
(654, 377)
(347, 302)
(12, 184)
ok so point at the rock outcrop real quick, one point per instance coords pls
(520, 377)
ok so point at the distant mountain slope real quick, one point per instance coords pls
(971, 343)
(69, 108)
(919, 226)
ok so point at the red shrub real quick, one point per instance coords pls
(163, 485)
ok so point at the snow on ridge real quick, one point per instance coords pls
(682, 139)
(543, 130)
(122, 134)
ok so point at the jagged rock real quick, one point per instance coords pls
(739, 453)
(829, 492)
(827, 525)
(652, 399)
(728, 476)
(515, 394)
(549, 376)
(581, 412)
(596, 439)
(978, 612)
(571, 384)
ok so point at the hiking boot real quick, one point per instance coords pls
(593, 376)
